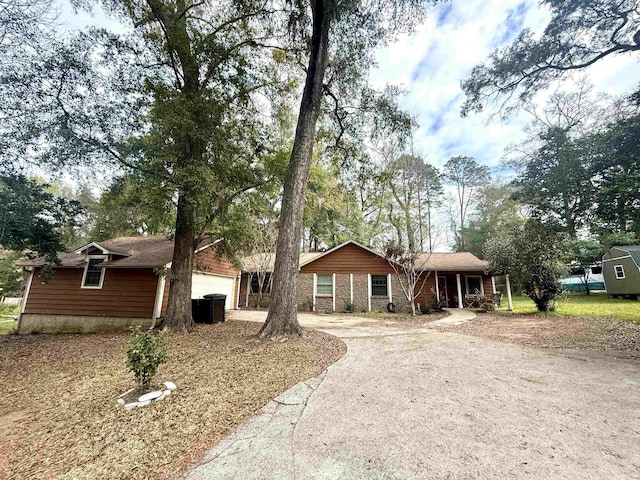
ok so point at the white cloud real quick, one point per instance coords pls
(432, 62)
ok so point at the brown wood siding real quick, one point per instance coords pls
(208, 261)
(349, 259)
(124, 293)
(427, 295)
(488, 286)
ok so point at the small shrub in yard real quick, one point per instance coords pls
(425, 309)
(437, 305)
(488, 307)
(145, 352)
(307, 305)
(349, 307)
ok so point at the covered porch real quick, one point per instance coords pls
(469, 289)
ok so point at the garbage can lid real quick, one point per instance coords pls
(215, 296)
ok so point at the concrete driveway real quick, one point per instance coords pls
(429, 404)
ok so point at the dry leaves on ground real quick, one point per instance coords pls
(59, 416)
(585, 333)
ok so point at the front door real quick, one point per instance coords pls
(442, 286)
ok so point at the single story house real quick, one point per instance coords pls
(115, 284)
(354, 276)
(621, 271)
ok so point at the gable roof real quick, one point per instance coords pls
(456, 261)
(632, 250)
(329, 252)
(126, 252)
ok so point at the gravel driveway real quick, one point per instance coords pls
(432, 404)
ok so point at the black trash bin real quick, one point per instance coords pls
(218, 302)
(202, 310)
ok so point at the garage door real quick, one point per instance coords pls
(204, 284)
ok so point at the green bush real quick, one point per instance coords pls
(437, 305)
(349, 307)
(488, 307)
(145, 352)
(425, 309)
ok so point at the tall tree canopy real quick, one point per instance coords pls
(580, 33)
(177, 98)
(556, 183)
(468, 177)
(31, 218)
(343, 35)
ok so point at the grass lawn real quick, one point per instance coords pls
(581, 305)
(58, 411)
(6, 313)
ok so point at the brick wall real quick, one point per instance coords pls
(324, 304)
(399, 298)
(343, 291)
(360, 292)
(305, 291)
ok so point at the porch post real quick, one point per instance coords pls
(25, 298)
(493, 284)
(333, 293)
(459, 290)
(437, 288)
(25, 294)
(157, 307)
(368, 292)
(246, 302)
(313, 294)
(509, 302)
(351, 287)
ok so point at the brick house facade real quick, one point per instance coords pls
(353, 277)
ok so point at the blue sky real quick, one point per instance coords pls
(431, 62)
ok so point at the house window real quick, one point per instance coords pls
(93, 275)
(619, 271)
(379, 287)
(324, 285)
(474, 284)
(255, 284)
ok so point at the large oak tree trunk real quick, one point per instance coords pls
(282, 317)
(178, 315)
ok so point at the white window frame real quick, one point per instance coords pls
(86, 268)
(466, 281)
(615, 270)
(330, 294)
(386, 295)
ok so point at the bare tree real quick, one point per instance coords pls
(412, 279)
(261, 260)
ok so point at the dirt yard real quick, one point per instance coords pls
(58, 411)
(580, 333)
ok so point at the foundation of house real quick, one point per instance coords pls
(41, 323)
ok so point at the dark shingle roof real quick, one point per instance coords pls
(126, 252)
